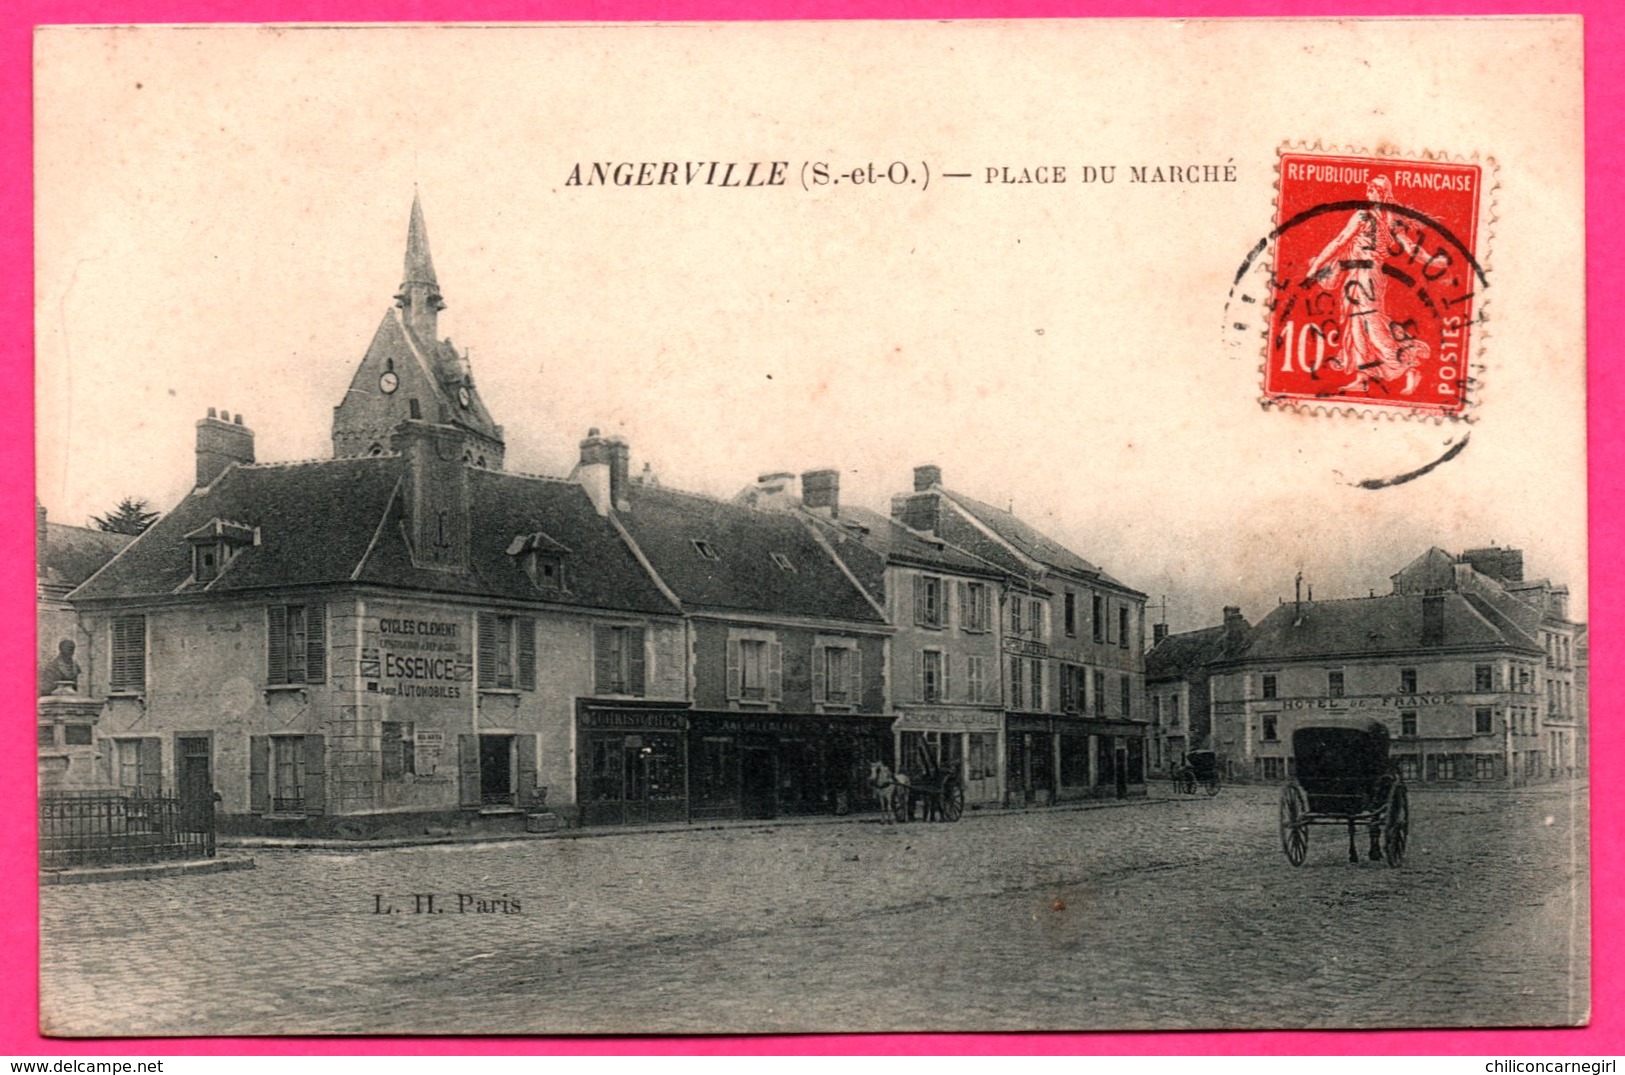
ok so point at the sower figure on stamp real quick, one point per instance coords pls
(1371, 344)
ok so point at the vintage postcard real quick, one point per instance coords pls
(748, 528)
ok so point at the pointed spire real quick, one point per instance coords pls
(419, 265)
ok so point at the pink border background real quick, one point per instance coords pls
(1605, 185)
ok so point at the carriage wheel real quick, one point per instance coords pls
(1294, 829)
(953, 801)
(1212, 785)
(1396, 826)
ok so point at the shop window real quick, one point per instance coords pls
(619, 660)
(1484, 767)
(296, 644)
(1408, 769)
(129, 671)
(1274, 768)
(1482, 720)
(1483, 677)
(399, 747)
(1075, 761)
(507, 652)
(984, 756)
(1445, 767)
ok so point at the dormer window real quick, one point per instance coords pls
(542, 560)
(705, 550)
(215, 543)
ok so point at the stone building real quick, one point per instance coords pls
(1177, 693)
(1074, 650)
(1453, 661)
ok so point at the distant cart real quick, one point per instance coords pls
(1200, 769)
(1343, 777)
(934, 787)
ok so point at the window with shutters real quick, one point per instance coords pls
(930, 604)
(296, 644)
(973, 607)
(1100, 693)
(399, 746)
(975, 678)
(1039, 621)
(1069, 614)
(1098, 612)
(1035, 684)
(933, 676)
(1122, 627)
(755, 667)
(620, 660)
(129, 670)
(507, 652)
(1015, 615)
(837, 678)
(1018, 697)
(1069, 687)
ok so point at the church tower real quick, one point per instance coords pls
(410, 374)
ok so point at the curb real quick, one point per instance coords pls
(93, 874)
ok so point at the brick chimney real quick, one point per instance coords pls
(1503, 565)
(774, 492)
(604, 471)
(1159, 631)
(821, 491)
(917, 511)
(926, 476)
(436, 493)
(222, 441)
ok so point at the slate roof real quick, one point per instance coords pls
(318, 522)
(1370, 625)
(71, 554)
(1028, 540)
(1190, 652)
(897, 543)
(665, 523)
(1433, 570)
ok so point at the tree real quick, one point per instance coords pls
(130, 517)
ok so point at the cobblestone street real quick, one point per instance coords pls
(1173, 913)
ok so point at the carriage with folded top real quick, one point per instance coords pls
(1343, 776)
(1200, 769)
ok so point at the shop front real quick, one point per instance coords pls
(959, 740)
(747, 765)
(1030, 777)
(632, 765)
(1064, 758)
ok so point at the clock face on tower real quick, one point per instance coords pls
(388, 382)
(463, 396)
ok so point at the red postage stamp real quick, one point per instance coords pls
(1375, 283)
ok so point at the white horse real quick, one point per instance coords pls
(891, 790)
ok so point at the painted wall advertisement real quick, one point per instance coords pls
(406, 657)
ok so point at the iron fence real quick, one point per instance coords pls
(106, 829)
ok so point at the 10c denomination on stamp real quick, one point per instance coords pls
(1373, 283)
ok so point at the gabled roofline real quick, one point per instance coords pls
(643, 561)
(378, 531)
(840, 565)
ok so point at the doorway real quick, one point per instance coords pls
(1120, 773)
(195, 781)
(758, 781)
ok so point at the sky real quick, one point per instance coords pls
(221, 219)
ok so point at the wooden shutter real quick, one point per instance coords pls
(820, 674)
(775, 671)
(603, 645)
(526, 627)
(526, 748)
(315, 747)
(468, 771)
(316, 643)
(276, 644)
(967, 621)
(946, 693)
(636, 662)
(855, 693)
(945, 593)
(152, 766)
(129, 671)
(919, 675)
(733, 665)
(487, 654)
(919, 599)
(259, 774)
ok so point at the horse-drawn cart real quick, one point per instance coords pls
(1343, 777)
(940, 794)
(1199, 769)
